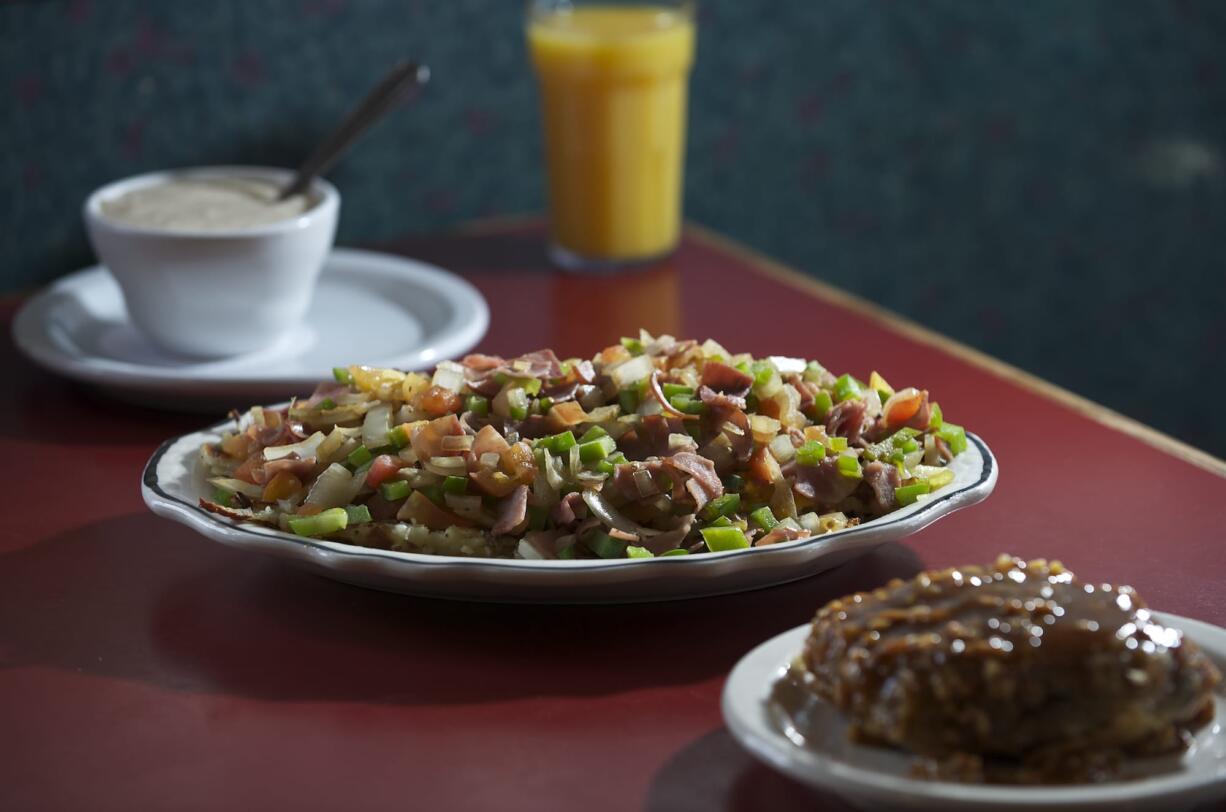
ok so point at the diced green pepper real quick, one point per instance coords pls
(395, 490)
(628, 400)
(567, 552)
(838, 443)
(342, 375)
(720, 539)
(594, 433)
(223, 497)
(734, 482)
(811, 453)
(724, 505)
(357, 514)
(763, 372)
(953, 434)
(477, 405)
(517, 403)
(531, 385)
(849, 466)
(846, 388)
(940, 478)
(604, 545)
(678, 551)
(638, 552)
(560, 443)
(909, 493)
(935, 417)
(457, 485)
(671, 389)
(721, 521)
(822, 404)
(328, 521)
(763, 517)
(399, 436)
(359, 456)
(688, 404)
(597, 449)
(433, 492)
(634, 345)
(607, 465)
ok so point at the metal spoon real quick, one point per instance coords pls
(399, 83)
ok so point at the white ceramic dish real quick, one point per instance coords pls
(215, 293)
(379, 308)
(172, 486)
(876, 778)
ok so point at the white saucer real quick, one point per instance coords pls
(369, 308)
(876, 778)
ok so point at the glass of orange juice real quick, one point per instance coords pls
(613, 80)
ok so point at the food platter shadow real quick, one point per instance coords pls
(316, 639)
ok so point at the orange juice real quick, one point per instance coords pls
(613, 88)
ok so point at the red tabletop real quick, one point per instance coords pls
(145, 667)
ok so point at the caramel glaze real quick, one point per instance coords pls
(1016, 663)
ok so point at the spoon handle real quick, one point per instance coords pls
(399, 82)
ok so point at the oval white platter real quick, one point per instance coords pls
(879, 778)
(172, 485)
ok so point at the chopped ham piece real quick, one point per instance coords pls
(512, 511)
(726, 379)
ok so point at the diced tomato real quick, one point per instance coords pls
(437, 401)
(281, 486)
(903, 405)
(420, 509)
(383, 468)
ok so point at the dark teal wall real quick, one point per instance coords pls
(1043, 179)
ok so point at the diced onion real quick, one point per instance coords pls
(446, 466)
(833, 521)
(603, 414)
(527, 552)
(335, 487)
(553, 472)
(408, 455)
(712, 349)
(575, 463)
(457, 442)
(678, 442)
(448, 375)
(304, 448)
(376, 425)
(238, 486)
(782, 448)
(490, 459)
(608, 514)
(463, 503)
(811, 522)
(732, 428)
(630, 372)
(764, 428)
(645, 484)
(785, 364)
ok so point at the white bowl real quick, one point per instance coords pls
(215, 293)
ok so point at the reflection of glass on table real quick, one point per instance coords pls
(647, 298)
